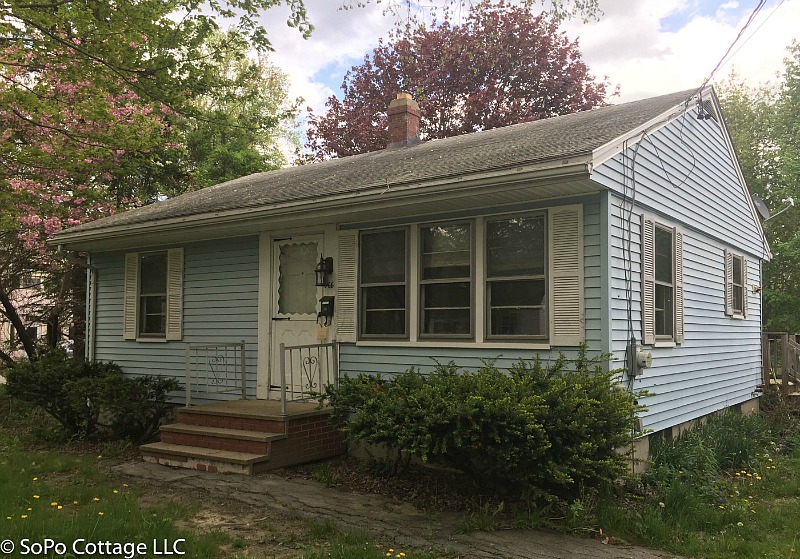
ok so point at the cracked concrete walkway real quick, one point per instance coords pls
(382, 517)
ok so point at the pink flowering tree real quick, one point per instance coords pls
(96, 99)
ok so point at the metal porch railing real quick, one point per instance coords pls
(215, 369)
(305, 370)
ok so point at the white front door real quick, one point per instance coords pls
(294, 298)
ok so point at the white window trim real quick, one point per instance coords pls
(479, 318)
(132, 302)
(729, 285)
(648, 283)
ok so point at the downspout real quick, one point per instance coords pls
(91, 297)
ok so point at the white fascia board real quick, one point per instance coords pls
(337, 205)
(737, 166)
(615, 146)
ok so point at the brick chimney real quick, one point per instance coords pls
(404, 115)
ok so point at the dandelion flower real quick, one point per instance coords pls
(8, 518)
(388, 554)
(124, 485)
(758, 478)
(96, 499)
(74, 502)
(115, 491)
(101, 513)
(749, 475)
(722, 507)
(36, 496)
(24, 516)
(36, 479)
(53, 504)
(391, 550)
(738, 474)
(661, 504)
(29, 508)
(753, 511)
(59, 507)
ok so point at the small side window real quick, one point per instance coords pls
(735, 284)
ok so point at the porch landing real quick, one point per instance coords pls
(246, 437)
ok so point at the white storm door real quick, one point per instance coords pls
(294, 299)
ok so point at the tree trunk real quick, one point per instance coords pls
(10, 311)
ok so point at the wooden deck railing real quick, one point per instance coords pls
(781, 360)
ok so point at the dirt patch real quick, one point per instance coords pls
(275, 503)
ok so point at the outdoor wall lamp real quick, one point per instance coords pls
(323, 271)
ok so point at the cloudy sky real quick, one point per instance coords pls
(648, 47)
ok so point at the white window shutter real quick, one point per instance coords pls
(346, 287)
(567, 321)
(174, 294)
(679, 331)
(745, 291)
(648, 250)
(728, 283)
(130, 305)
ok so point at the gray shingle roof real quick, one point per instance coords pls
(491, 150)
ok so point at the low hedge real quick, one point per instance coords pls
(92, 400)
(541, 430)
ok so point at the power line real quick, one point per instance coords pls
(753, 15)
(760, 25)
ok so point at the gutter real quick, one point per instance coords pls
(335, 204)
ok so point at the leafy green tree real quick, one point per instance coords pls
(95, 100)
(764, 122)
(246, 125)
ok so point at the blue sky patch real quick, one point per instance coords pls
(734, 9)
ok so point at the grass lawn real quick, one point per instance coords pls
(729, 489)
(57, 492)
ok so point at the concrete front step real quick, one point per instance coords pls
(203, 459)
(219, 438)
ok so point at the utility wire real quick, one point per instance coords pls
(760, 25)
(753, 15)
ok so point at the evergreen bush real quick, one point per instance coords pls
(543, 431)
(92, 400)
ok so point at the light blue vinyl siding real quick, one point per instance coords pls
(684, 170)
(220, 305)
(718, 365)
(354, 359)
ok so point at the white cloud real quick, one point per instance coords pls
(628, 44)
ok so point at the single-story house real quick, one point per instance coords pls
(626, 221)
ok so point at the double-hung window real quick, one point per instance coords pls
(446, 280)
(665, 284)
(516, 286)
(153, 295)
(515, 278)
(735, 285)
(662, 283)
(384, 281)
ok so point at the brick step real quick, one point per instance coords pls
(219, 438)
(232, 420)
(246, 437)
(203, 459)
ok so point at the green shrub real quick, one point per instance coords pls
(537, 431)
(92, 400)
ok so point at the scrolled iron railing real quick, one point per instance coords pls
(305, 370)
(218, 368)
